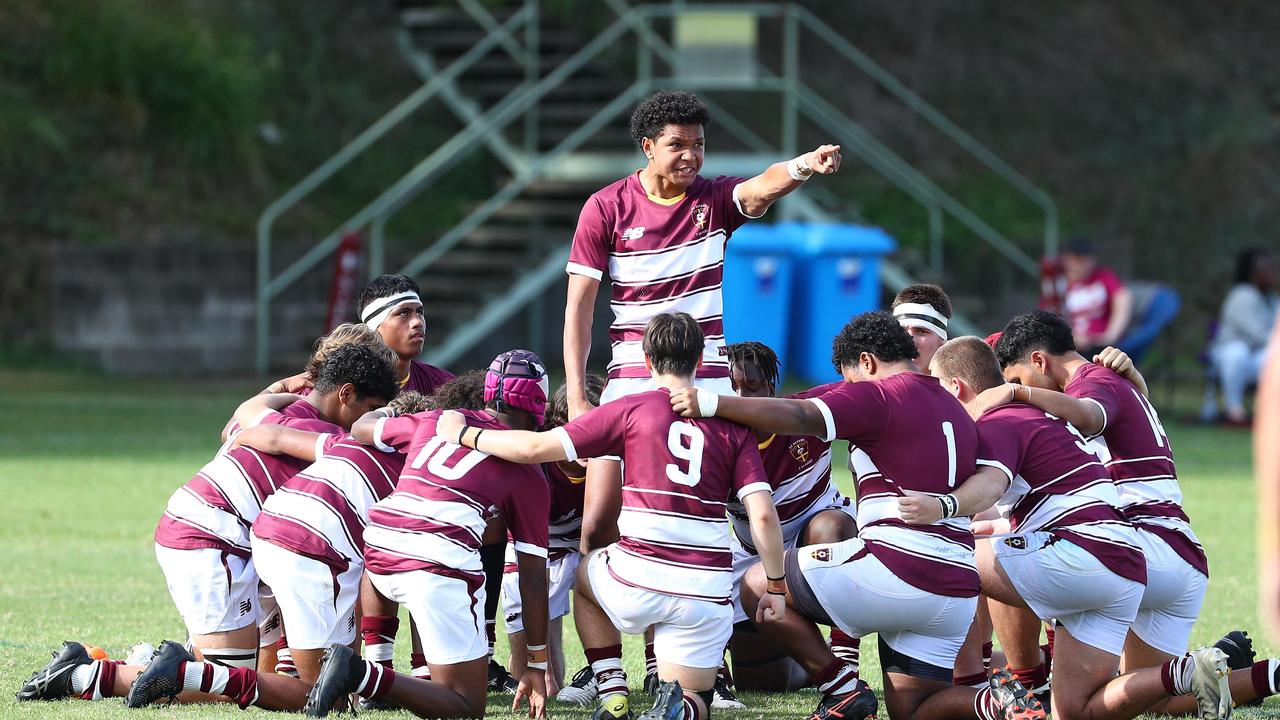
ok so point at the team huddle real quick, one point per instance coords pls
(1005, 487)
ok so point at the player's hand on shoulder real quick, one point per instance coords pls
(772, 608)
(295, 383)
(685, 402)
(533, 685)
(825, 160)
(994, 397)
(449, 425)
(919, 509)
(1113, 358)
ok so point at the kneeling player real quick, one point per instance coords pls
(811, 511)
(423, 551)
(671, 566)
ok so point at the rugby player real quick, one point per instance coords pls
(671, 565)
(924, 311)
(916, 586)
(1072, 558)
(422, 550)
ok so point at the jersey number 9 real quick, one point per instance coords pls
(691, 453)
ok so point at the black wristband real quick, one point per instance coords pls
(475, 442)
(950, 505)
(775, 579)
(462, 433)
(773, 592)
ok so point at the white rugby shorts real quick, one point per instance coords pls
(686, 632)
(449, 612)
(561, 573)
(318, 607)
(214, 590)
(1171, 603)
(1062, 581)
(863, 596)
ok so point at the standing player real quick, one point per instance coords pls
(914, 585)
(1073, 558)
(924, 311)
(422, 551)
(671, 566)
(1038, 351)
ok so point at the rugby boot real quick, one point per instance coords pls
(500, 681)
(723, 697)
(1209, 683)
(857, 704)
(53, 681)
(341, 672)
(616, 706)
(162, 679)
(650, 682)
(1014, 700)
(668, 703)
(1240, 655)
(582, 690)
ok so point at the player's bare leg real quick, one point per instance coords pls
(601, 642)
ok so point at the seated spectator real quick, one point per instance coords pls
(1248, 312)
(1096, 301)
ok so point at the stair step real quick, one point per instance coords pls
(469, 260)
(546, 211)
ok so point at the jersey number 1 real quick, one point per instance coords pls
(691, 454)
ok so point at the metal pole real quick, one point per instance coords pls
(262, 358)
(377, 246)
(532, 53)
(791, 75)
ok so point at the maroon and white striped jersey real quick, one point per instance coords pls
(1059, 484)
(424, 378)
(678, 477)
(565, 517)
(445, 496)
(322, 511)
(217, 508)
(1140, 460)
(660, 257)
(906, 432)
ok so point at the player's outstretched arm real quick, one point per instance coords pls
(978, 492)
(580, 306)
(281, 440)
(1088, 417)
(518, 446)
(766, 533)
(252, 410)
(757, 194)
(364, 428)
(533, 596)
(1118, 361)
(776, 415)
(291, 384)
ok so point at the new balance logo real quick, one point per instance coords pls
(245, 607)
(634, 233)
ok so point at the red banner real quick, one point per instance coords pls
(346, 268)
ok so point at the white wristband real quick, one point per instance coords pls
(537, 665)
(707, 403)
(799, 169)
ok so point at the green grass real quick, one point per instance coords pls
(87, 463)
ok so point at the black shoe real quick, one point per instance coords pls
(500, 681)
(379, 704)
(723, 697)
(650, 682)
(161, 679)
(857, 704)
(1240, 655)
(668, 703)
(341, 671)
(1014, 700)
(53, 682)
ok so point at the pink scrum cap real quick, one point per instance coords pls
(518, 379)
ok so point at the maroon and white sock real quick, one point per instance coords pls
(650, 659)
(1176, 675)
(723, 673)
(238, 683)
(693, 711)
(988, 647)
(976, 680)
(284, 659)
(379, 634)
(1048, 645)
(1034, 679)
(985, 706)
(606, 664)
(846, 647)
(837, 678)
(377, 681)
(491, 633)
(95, 680)
(1266, 677)
(418, 666)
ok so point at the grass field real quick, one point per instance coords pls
(86, 465)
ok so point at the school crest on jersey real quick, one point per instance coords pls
(799, 449)
(700, 213)
(822, 554)
(1017, 543)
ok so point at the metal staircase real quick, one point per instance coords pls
(551, 104)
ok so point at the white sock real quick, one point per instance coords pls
(193, 677)
(379, 652)
(844, 681)
(83, 676)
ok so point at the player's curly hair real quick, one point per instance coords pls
(1031, 331)
(558, 410)
(465, 392)
(875, 332)
(371, 372)
(409, 402)
(386, 286)
(925, 294)
(758, 354)
(667, 107)
(346, 334)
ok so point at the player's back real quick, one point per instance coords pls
(908, 435)
(322, 511)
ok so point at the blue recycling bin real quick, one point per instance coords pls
(837, 276)
(758, 271)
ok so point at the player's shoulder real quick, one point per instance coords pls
(816, 391)
(436, 375)
(614, 193)
(1093, 375)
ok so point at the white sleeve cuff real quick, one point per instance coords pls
(830, 435)
(263, 416)
(1104, 416)
(320, 443)
(753, 488)
(570, 452)
(737, 202)
(528, 549)
(574, 268)
(377, 436)
(997, 465)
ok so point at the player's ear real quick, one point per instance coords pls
(347, 394)
(646, 146)
(868, 363)
(1040, 361)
